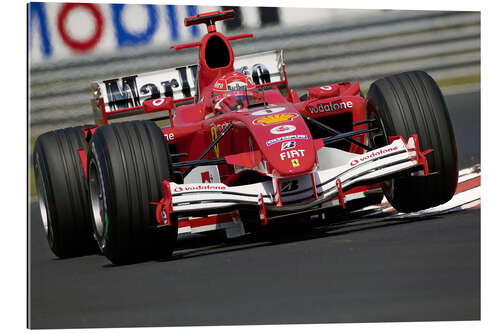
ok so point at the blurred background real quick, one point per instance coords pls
(71, 45)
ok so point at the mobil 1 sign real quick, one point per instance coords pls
(64, 30)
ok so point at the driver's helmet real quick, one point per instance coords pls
(234, 91)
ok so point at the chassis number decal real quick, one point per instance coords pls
(265, 112)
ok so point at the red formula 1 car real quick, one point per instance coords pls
(240, 150)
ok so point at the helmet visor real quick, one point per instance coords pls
(236, 100)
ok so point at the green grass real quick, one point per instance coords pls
(32, 183)
(452, 82)
(465, 80)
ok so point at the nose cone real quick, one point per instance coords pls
(284, 140)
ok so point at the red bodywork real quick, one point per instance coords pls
(190, 132)
(250, 142)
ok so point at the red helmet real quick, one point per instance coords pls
(234, 91)
(235, 81)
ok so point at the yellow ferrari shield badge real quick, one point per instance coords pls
(295, 162)
(213, 131)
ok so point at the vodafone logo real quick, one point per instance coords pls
(329, 107)
(327, 88)
(283, 129)
(158, 102)
(369, 156)
(200, 187)
(169, 136)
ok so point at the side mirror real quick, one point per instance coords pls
(157, 105)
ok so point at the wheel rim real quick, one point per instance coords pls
(98, 203)
(379, 139)
(43, 201)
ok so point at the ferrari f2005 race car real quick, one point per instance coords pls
(240, 149)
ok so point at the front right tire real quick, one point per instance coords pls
(412, 103)
(62, 192)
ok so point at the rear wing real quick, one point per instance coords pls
(124, 96)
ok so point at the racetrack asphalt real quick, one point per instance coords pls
(368, 270)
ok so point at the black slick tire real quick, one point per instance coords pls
(412, 103)
(63, 193)
(127, 163)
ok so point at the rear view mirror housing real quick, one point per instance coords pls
(158, 105)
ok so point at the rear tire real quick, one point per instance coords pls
(126, 166)
(412, 103)
(63, 193)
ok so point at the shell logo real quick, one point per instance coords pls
(275, 118)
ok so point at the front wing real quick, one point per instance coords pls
(321, 188)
